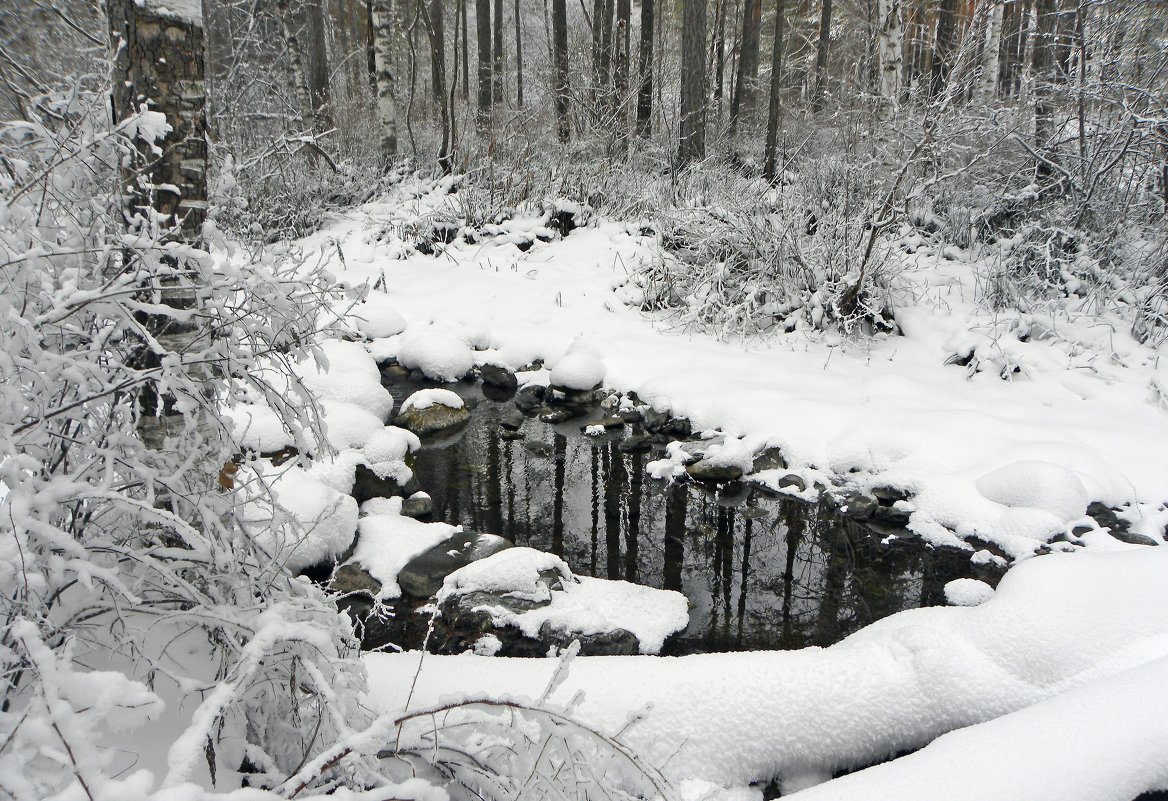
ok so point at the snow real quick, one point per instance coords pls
(386, 542)
(390, 444)
(1055, 624)
(327, 518)
(1038, 485)
(439, 356)
(733, 452)
(578, 370)
(583, 606)
(376, 317)
(348, 374)
(425, 398)
(967, 592)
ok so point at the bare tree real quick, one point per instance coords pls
(434, 24)
(296, 62)
(483, 38)
(319, 89)
(560, 68)
(821, 52)
(497, 55)
(645, 71)
(891, 55)
(518, 58)
(944, 46)
(770, 150)
(744, 86)
(381, 17)
(692, 128)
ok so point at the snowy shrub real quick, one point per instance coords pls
(127, 578)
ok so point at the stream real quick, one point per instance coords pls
(760, 570)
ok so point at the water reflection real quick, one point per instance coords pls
(759, 571)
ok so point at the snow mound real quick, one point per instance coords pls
(1036, 485)
(580, 606)
(579, 370)
(425, 398)
(967, 592)
(348, 425)
(441, 357)
(390, 444)
(376, 317)
(348, 373)
(386, 542)
(732, 452)
(325, 518)
(514, 571)
(474, 330)
(257, 428)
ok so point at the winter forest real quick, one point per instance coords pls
(623, 401)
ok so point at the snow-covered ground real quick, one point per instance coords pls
(1051, 687)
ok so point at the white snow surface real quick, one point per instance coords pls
(386, 542)
(440, 356)
(967, 592)
(578, 370)
(887, 408)
(1056, 623)
(327, 518)
(583, 606)
(425, 398)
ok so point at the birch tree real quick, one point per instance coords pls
(381, 16)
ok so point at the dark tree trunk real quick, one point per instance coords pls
(692, 134)
(436, 35)
(945, 47)
(606, 53)
(497, 55)
(821, 53)
(370, 46)
(770, 150)
(744, 86)
(483, 31)
(597, 38)
(518, 58)
(719, 54)
(645, 71)
(1046, 69)
(560, 68)
(319, 91)
(465, 53)
(624, 14)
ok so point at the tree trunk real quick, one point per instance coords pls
(597, 39)
(560, 68)
(382, 32)
(319, 91)
(434, 25)
(987, 82)
(162, 59)
(891, 56)
(945, 46)
(465, 53)
(770, 150)
(719, 55)
(692, 133)
(1045, 69)
(624, 15)
(518, 59)
(605, 85)
(296, 70)
(497, 55)
(744, 86)
(645, 71)
(483, 31)
(821, 52)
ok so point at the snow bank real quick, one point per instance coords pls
(578, 370)
(441, 357)
(1055, 623)
(377, 317)
(581, 606)
(425, 398)
(326, 518)
(1038, 485)
(348, 374)
(968, 592)
(386, 542)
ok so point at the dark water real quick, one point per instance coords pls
(760, 572)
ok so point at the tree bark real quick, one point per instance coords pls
(891, 55)
(945, 46)
(692, 133)
(483, 31)
(319, 90)
(987, 82)
(744, 85)
(645, 71)
(821, 53)
(624, 13)
(518, 58)
(770, 150)
(1045, 69)
(497, 55)
(436, 36)
(719, 55)
(382, 32)
(465, 53)
(560, 68)
(296, 70)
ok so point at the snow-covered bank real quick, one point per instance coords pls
(1085, 402)
(1055, 623)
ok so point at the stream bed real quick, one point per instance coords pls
(760, 570)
